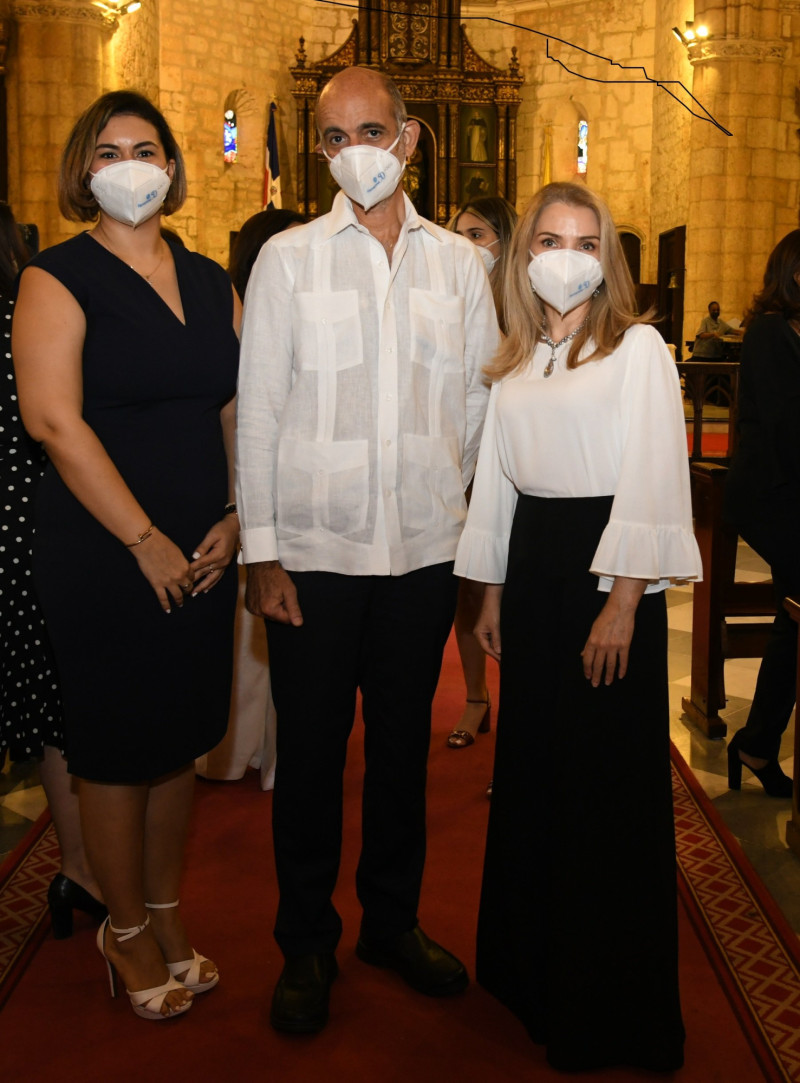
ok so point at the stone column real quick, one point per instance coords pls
(743, 186)
(55, 71)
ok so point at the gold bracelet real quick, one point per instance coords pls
(140, 538)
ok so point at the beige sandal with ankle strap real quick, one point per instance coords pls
(191, 968)
(147, 1003)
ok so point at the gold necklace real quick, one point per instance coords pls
(107, 244)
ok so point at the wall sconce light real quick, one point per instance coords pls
(672, 284)
(691, 33)
(113, 7)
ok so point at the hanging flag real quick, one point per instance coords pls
(272, 169)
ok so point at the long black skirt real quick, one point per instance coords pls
(578, 919)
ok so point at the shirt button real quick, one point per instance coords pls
(388, 443)
(387, 493)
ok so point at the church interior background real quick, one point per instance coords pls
(692, 140)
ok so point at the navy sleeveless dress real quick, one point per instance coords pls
(143, 692)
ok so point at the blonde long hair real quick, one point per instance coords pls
(611, 313)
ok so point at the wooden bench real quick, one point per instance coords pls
(717, 598)
(698, 376)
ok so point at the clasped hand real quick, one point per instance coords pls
(172, 576)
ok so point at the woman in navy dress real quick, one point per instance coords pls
(126, 356)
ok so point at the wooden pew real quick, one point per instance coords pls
(716, 599)
(697, 377)
(792, 606)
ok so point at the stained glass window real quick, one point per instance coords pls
(583, 145)
(230, 137)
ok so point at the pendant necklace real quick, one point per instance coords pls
(556, 345)
(146, 277)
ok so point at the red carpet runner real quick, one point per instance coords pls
(739, 962)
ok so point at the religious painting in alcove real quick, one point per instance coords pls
(419, 179)
(476, 183)
(477, 137)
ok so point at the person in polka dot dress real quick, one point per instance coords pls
(30, 705)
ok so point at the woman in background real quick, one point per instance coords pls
(252, 237)
(763, 503)
(489, 223)
(580, 518)
(250, 740)
(126, 356)
(30, 705)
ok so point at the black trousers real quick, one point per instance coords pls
(778, 543)
(384, 635)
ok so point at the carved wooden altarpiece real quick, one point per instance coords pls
(466, 107)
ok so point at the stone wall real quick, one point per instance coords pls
(743, 186)
(576, 85)
(133, 51)
(657, 167)
(235, 57)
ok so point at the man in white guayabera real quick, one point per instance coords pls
(361, 404)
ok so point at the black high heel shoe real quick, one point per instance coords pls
(774, 781)
(64, 896)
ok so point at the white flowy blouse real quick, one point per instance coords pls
(613, 427)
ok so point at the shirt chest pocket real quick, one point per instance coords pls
(327, 331)
(322, 485)
(437, 329)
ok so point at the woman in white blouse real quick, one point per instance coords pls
(580, 518)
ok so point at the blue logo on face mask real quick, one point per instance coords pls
(150, 196)
(376, 181)
(580, 288)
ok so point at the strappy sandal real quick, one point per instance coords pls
(146, 1003)
(463, 738)
(190, 968)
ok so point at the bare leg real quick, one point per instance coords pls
(169, 809)
(113, 819)
(473, 659)
(62, 797)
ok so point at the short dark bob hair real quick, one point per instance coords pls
(75, 199)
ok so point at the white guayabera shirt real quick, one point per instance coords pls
(361, 395)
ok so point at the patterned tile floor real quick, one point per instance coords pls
(758, 822)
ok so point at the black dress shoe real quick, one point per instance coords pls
(421, 963)
(300, 1000)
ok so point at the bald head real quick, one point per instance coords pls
(366, 83)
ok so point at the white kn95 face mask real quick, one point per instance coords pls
(367, 174)
(131, 191)
(564, 277)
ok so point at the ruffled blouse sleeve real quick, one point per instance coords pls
(483, 549)
(649, 534)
